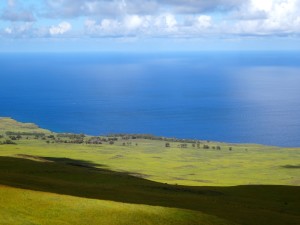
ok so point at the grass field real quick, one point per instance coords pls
(148, 182)
(244, 164)
(20, 207)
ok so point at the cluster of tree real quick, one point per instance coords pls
(71, 136)
(19, 135)
(94, 140)
(134, 136)
(111, 139)
(12, 133)
(79, 139)
(7, 142)
(100, 140)
(70, 141)
(152, 137)
(15, 138)
(68, 138)
(183, 145)
(205, 146)
(128, 143)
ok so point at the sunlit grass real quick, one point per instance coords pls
(190, 166)
(20, 207)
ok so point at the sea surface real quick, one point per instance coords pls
(239, 97)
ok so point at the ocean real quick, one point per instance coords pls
(239, 97)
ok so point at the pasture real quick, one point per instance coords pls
(48, 178)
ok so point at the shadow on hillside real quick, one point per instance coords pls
(66, 161)
(291, 166)
(76, 162)
(268, 204)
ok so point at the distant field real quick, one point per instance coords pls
(192, 182)
(243, 164)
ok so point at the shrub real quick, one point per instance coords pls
(8, 142)
(205, 146)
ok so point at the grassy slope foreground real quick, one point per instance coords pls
(113, 172)
(22, 207)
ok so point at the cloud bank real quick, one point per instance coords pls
(149, 18)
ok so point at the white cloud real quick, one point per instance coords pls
(61, 28)
(176, 18)
(278, 17)
(107, 27)
(19, 30)
(8, 30)
(132, 22)
(68, 9)
(265, 5)
(147, 26)
(11, 3)
(170, 21)
(204, 21)
(153, 18)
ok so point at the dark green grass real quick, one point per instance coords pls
(291, 166)
(255, 205)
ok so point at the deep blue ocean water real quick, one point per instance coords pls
(240, 97)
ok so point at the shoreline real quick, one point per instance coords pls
(145, 136)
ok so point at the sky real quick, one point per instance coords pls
(149, 25)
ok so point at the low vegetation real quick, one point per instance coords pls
(236, 205)
(192, 181)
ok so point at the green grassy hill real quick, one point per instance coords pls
(148, 182)
(21, 207)
(239, 204)
(198, 163)
(9, 124)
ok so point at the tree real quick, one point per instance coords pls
(205, 146)
(183, 145)
(8, 142)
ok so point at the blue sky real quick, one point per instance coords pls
(149, 25)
